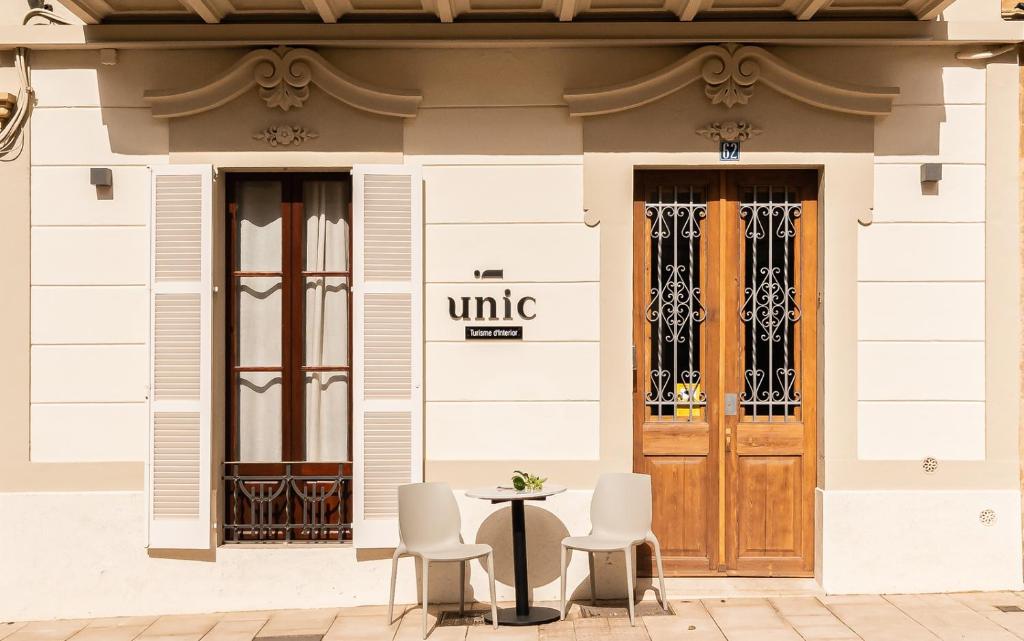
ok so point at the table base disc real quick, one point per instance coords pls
(536, 616)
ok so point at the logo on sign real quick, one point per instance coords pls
(489, 308)
(492, 308)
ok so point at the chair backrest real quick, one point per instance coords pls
(621, 506)
(428, 516)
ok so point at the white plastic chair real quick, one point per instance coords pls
(620, 518)
(429, 525)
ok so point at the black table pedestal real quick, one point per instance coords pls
(522, 614)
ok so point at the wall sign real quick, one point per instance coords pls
(503, 308)
(494, 333)
(729, 150)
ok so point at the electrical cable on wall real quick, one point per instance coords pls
(10, 134)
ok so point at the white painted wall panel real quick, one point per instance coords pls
(64, 196)
(921, 311)
(89, 314)
(89, 432)
(931, 133)
(564, 311)
(527, 252)
(90, 256)
(89, 373)
(901, 197)
(98, 137)
(893, 541)
(512, 371)
(949, 371)
(503, 193)
(913, 430)
(105, 564)
(513, 431)
(919, 251)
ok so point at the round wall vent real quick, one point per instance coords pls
(987, 517)
(930, 464)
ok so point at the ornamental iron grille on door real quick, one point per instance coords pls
(770, 310)
(675, 310)
(724, 323)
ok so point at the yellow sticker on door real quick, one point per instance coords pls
(685, 393)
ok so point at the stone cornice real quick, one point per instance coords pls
(484, 34)
(730, 73)
(282, 76)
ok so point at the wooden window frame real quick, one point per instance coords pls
(292, 275)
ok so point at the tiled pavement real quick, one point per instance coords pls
(952, 617)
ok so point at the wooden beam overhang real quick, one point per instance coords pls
(209, 10)
(323, 9)
(493, 34)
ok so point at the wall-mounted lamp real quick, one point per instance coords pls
(101, 177)
(108, 57)
(931, 172)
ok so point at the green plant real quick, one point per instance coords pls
(524, 481)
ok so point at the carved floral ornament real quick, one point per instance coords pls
(729, 131)
(730, 72)
(285, 135)
(283, 76)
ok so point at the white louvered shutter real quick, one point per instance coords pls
(178, 471)
(388, 338)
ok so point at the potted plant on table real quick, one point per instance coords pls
(526, 482)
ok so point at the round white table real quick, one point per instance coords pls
(522, 614)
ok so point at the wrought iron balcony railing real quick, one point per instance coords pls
(287, 502)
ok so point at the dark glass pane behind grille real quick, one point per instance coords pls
(770, 311)
(675, 310)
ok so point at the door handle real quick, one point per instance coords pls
(728, 439)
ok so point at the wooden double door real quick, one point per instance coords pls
(725, 304)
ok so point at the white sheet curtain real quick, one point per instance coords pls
(326, 248)
(326, 299)
(259, 320)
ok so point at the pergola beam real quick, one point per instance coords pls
(567, 10)
(443, 9)
(323, 8)
(208, 10)
(88, 11)
(687, 10)
(928, 9)
(806, 9)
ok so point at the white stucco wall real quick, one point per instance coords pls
(917, 331)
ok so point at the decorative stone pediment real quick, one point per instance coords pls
(283, 76)
(730, 73)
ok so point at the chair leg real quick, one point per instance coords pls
(565, 562)
(662, 595)
(462, 588)
(426, 582)
(629, 583)
(593, 579)
(494, 599)
(391, 595)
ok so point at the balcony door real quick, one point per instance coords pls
(724, 308)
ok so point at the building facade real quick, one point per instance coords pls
(258, 271)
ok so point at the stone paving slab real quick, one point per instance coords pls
(937, 617)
